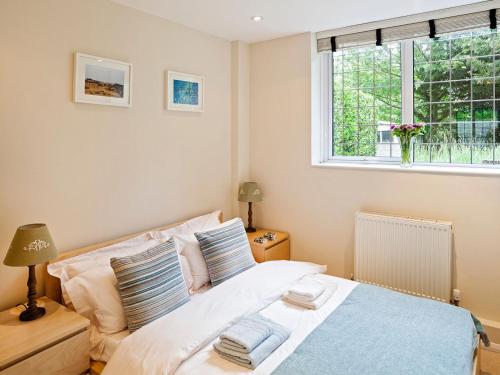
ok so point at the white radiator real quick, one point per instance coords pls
(408, 255)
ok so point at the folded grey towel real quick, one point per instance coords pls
(251, 360)
(247, 333)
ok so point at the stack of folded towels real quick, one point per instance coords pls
(251, 340)
(309, 294)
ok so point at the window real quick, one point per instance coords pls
(448, 83)
(366, 100)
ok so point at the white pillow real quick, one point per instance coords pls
(186, 272)
(188, 246)
(197, 224)
(94, 294)
(71, 267)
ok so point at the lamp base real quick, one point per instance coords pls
(32, 314)
(250, 230)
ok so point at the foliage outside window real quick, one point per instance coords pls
(366, 100)
(454, 91)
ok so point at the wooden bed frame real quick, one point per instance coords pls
(53, 284)
(53, 287)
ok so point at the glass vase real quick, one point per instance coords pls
(406, 151)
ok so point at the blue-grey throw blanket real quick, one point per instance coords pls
(376, 331)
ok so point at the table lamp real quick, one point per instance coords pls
(31, 245)
(249, 192)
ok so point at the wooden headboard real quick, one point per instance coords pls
(53, 284)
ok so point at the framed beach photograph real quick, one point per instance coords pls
(185, 92)
(104, 81)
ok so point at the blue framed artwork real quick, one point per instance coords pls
(185, 92)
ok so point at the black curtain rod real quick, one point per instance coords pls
(432, 30)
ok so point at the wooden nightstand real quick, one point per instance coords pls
(278, 249)
(57, 343)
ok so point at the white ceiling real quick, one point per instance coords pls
(230, 19)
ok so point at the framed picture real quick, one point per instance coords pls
(185, 92)
(104, 81)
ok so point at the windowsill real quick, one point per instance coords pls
(417, 168)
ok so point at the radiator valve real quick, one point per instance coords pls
(457, 296)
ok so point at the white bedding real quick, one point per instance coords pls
(181, 342)
(104, 345)
(300, 321)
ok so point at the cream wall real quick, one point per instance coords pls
(317, 205)
(95, 172)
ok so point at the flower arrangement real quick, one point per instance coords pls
(405, 133)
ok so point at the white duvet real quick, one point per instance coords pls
(181, 341)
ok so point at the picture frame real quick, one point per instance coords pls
(185, 92)
(99, 80)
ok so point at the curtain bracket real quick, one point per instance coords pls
(432, 29)
(378, 34)
(333, 42)
(493, 19)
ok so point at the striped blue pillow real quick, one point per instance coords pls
(226, 250)
(150, 284)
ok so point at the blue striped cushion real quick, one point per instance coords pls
(150, 284)
(226, 250)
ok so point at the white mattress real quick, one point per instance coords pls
(299, 320)
(103, 345)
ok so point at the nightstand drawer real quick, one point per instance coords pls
(280, 251)
(70, 356)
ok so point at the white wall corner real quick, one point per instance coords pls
(321, 110)
(240, 118)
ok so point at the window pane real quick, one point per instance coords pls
(422, 113)
(455, 91)
(482, 67)
(440, 153)
(440, 71)
(461, 153)
(461, 111)
(422, 52)
(460, 47)
(460, 90)
(461, 132)
(440, 50)
(368, 83)
(461, 69)
(422, 72)
(440, 91)
(482, 89)
(422, 153)
(482, 43)
(482, 154)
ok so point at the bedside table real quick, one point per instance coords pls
(278, 249)
(57, 343)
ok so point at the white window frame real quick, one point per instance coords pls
(326, 104)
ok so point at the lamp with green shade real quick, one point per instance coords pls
(32, 244)
(250, 192)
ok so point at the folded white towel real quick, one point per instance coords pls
(306, 290)
(313, 305)
(299, 298)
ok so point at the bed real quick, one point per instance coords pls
(189, 342)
